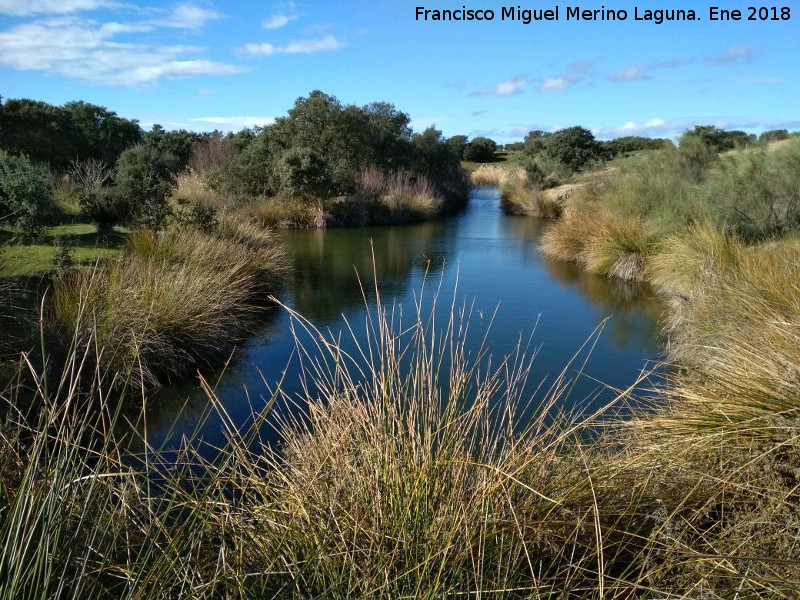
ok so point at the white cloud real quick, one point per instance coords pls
(732, 54)
(189, 16)
(632, 73)
(22, 8)
(281, 17)
(660, 127)
(503, 89)
(577, 72)
(638, 72)
(88, 51)
(325, 44)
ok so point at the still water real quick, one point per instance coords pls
(485, 259)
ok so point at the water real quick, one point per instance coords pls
(488, 259)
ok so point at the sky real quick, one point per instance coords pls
(214, 64)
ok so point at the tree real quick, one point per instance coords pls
(25, 198)
(632, 143)
(536, 142)
(60, 134)
(141, 183)
(481, 149)
(719, 139)
(177, 144)
(574, 147)
(304, 173)
(458, 144)
(774, 135)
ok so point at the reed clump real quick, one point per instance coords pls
(518, 197)
(282, 213)
(397, 197)
(491, 175)
(171, 303)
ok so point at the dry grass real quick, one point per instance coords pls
(518, 198)
(618, 248)
(170, 304)
(396, 197)
(415, 469)
(276, 212)
(491, 175)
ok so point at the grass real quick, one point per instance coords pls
(171, 304)
(86, 244)
(380, 199)
(649, 201)
(414, 469)
(517, 197)
(491, 174)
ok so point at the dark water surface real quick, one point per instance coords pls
(488, 259)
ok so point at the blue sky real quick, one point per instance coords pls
(206, 64)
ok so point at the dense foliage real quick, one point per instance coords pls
(141, 184)
(322, 146)
(481, 149)
(60, 134)
(633, 143)
(25, 198)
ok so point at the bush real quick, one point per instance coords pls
(481, 149)
(25, 198)
(141, 181)
(697, 154)
(303, 172)
(63, 259)
(757, 192)
(574, 147)
(773, 135)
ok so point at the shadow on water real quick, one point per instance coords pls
(487, 259)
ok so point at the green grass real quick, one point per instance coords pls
(37, 258)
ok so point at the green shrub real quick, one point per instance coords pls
(303, 172)
(575, 147)
(63, 259)
(757, 193)
(25, 199)
(697, 155)
(773, 135)
(141, 181)
(481, 149)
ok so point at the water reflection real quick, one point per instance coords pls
(489, 258)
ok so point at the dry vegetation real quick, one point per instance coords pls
(172, 302)
(391, 484)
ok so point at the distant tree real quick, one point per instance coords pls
(624, 145)
(536, 142)
(515, 147)
(25, 197)
(458, 144)
(774, 135)
(720, 139)
(574, 147)
(179, 144)
(60, 134)
(480, 149)
(433, 154)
